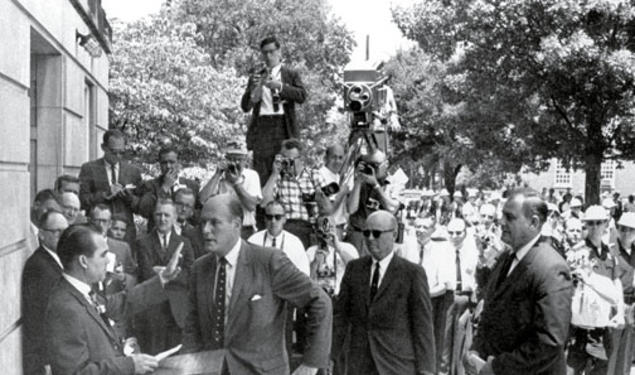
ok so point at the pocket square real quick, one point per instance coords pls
(255, 297)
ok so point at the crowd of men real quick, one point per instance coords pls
(290, 266)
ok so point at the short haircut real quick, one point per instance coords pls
(65, 178)
(120, 217)
(100, 207)
(45, 217)
(45, 195)
(236, 209)
(112, 133)
(166, 150)
(532, 204)
(269, 40)
(165, 202)
(291, 143)
(76, 240)
(329, 150)
(184, 191)
(275, 202)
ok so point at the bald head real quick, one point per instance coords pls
(380, 233)
(382, 220)
(71, 206)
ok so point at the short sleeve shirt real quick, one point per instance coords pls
(289, 191)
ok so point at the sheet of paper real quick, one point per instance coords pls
(163, 355)
(112, 261)
(477, 361)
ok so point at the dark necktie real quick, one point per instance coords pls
(273, 242)
(375, 282)
(113, 175)
(219, 304)
(505, 268)
(459, 278)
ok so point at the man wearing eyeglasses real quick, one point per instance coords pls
(271, 94)
(42, 271)
(111, 180)
(71, 208)
(384, 307)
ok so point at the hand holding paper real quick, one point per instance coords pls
(172, 270)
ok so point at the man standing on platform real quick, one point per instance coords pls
(271, 95)
(244, 312)
(111, 180)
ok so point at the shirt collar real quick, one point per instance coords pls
(116, 165)
(232, 256)
(525, 249)
(276, 69)
(83, 288)
(383, 264)
(54, 255)
(270, 236)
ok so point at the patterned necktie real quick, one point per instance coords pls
(459, 277)
(219, 304)
(375, 282)
(113, 174)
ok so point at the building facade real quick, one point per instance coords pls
(53, 111)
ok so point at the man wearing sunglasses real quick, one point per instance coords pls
(271, 95)
(111, 180)
(384, 307)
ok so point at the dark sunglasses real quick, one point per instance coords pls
(595, 222)
(375, 233)
(271, 217)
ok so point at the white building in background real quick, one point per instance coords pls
(53, 111)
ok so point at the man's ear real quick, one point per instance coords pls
(83, 261)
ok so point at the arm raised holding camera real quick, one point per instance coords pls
(270, 188)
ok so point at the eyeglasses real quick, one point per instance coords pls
(574, 230)
(457, 233)
(115, 152)
(625, 229)
(595, 222)
(375, 233)
(271, 217)
(53, 231)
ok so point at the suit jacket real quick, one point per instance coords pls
(78, 339)
(151, 191)
(525, 318)
(150, 254)
(265, 280)
(395, 328)
(124, 256)
(292, 92)
(41, 273)
(196, 239)
(94, 186)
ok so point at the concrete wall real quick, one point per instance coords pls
(38, 47)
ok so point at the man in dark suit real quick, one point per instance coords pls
(159, 329)
(42, 271)
(79, 338)
(111, 180)
(166, 185)
(195, 235)
(384, 307)
(244, 312)
(271, 95)
(525, 320)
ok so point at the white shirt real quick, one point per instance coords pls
(520, 254)
(109, 172)
(251, 184)
(266, 105)
(164, 239)
(81, 286)
(383, 265)
(54, 255)
(329, 268)
(288, 243)
(439, 263)
(468, 254)
(340, 214)
(230, 273)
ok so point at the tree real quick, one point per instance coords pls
(164, 90)
(313, 41)
(555, 77)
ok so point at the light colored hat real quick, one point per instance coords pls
(444, 193)
(440, 234)
(575, 202)
(487, 209)
(427, 193)
(456, 225)
(595, 212)
(627, 220)
(236, 147)
(608, 203)
(552, 207)
(457, 194)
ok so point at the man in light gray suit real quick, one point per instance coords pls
(244, 312)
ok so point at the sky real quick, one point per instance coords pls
(362, 17)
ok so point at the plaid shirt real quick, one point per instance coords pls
(289, 191)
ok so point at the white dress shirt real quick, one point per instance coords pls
(81, 286)
(383, 265)
(109, 172)
(251, 183)
(520, 254)
(438, 261)
(288, 243)
(468, 254)
(54, 255)
(164, 239)
(230, 273)
(340, 214)
(266, 105)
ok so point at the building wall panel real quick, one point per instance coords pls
(14, 37)
(14, 123)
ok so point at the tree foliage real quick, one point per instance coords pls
(553, 78)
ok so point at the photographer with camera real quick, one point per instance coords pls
(368, 195)
(298, 188)
(234, 177)
(330, 172)
(272, 93)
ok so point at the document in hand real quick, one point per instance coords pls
(163, 355)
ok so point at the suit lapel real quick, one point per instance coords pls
(241, 278)
(92, 311)
(208, 279)
(156, 248)
(366, 280)
(101, 176)
(517, 272)
(49, 259)
(389, 276)
(172, 245)
(284, 75)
